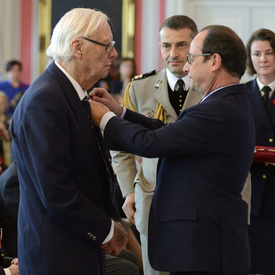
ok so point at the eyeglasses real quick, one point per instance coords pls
(190, 59)
(108, 47)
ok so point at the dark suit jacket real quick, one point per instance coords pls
(198, 221)
(9, 199)
(65, 208)
(262, 176)
(2, 272)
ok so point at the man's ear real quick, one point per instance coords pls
(216, 61)
(76, 46)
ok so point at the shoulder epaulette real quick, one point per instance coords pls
(141, 76)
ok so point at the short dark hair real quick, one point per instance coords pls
(259, 35)
(225, 42)
(177, 22)
(12, 63)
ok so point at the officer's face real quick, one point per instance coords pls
(174, 46)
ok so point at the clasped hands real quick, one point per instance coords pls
(118, 242)
(102, 102)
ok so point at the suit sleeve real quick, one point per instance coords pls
(194, 134)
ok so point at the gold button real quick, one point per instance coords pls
(264, 176)
(180, 105)
(94, 238)
(266, 164)
(271, 140)
(180, 95)
(180, 100)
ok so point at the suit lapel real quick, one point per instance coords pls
(161, 93)
(76, 106)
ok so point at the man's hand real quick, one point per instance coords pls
(102, 96)
(14, 269)
(129, 207)
(118, 242)
(98, 111)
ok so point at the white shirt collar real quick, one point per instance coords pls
(261, 85)
(172, 80)
(77, 87)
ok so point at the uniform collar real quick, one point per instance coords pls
(172, 80)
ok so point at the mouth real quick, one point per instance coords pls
(264, 67)
(175, 62)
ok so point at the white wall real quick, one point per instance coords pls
(9, 32)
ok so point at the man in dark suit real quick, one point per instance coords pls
(198, 221)
(65, 179)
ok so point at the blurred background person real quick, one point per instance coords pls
(127, 71)
(13, 84)
(261, 61)
(5, 138)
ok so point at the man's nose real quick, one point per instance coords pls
(186, 67)
(174, 51)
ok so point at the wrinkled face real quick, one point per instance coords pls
(96, 62)
(174, 46)
(14, 74)
(199, 70)
(263, 58)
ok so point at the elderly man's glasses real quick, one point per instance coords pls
(108, 47)
(190, 57)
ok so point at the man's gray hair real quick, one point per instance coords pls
(75, 23)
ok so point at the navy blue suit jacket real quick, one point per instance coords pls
(262, 175)
(65, 208)
(198, 221)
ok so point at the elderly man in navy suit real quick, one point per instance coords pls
(198, 221)
(66, 215)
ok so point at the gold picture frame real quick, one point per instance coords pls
(44, 28)
(128, 28)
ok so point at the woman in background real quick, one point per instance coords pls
(261, 61)
(126, 73)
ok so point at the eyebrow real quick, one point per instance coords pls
(180, 42)
(268, 50)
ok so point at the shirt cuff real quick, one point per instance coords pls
(107, 116)
(111, 233)
(7, 271)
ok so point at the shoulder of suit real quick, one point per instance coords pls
(143, 76)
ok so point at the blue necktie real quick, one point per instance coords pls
(103, 151)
